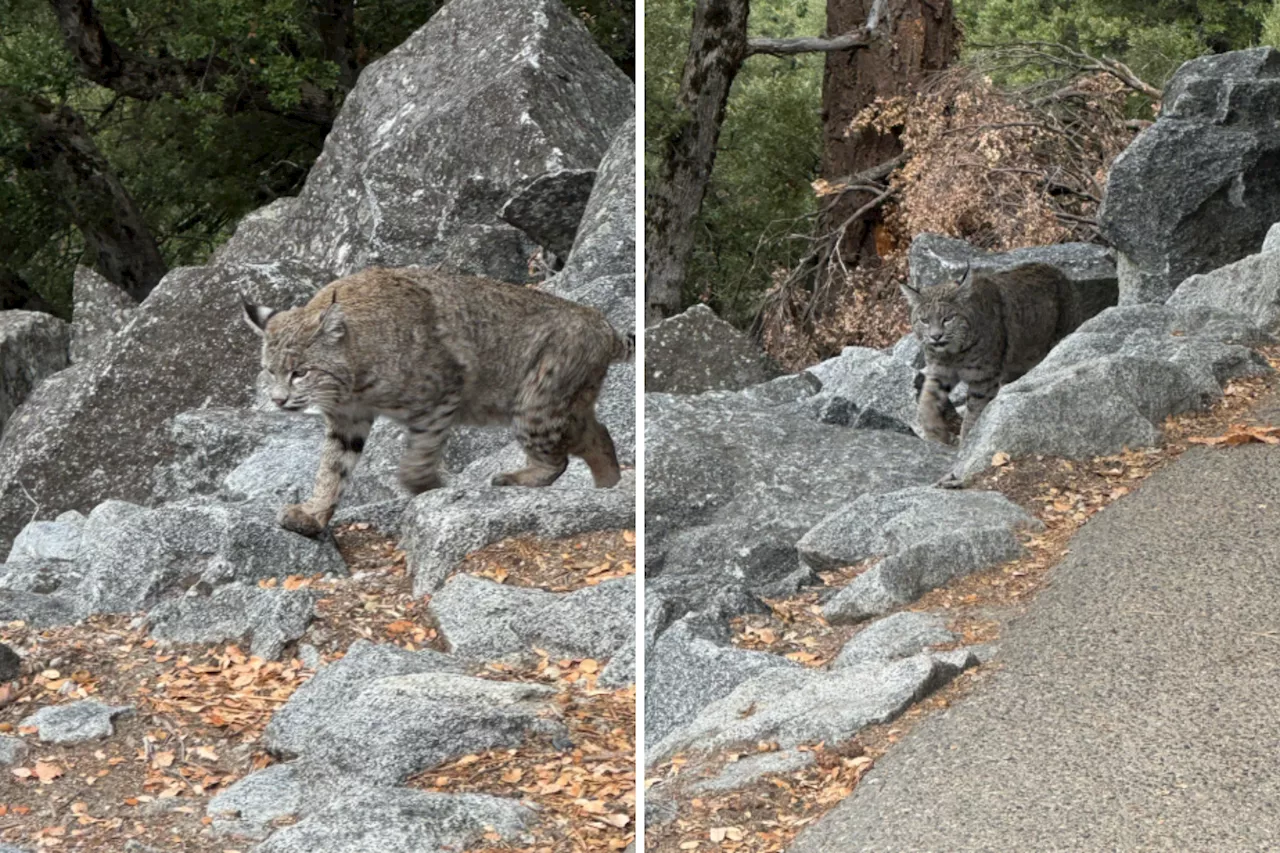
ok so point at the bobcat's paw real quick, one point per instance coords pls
(951, 481)
(296, 519)
(417, 482)
(942, 435)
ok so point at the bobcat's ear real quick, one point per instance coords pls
(256, 315)
(333, 322)
(966, 279)
(912, 294)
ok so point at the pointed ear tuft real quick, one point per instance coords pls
(333, 322)
(966, 278)
(256, 315)
(911, 293)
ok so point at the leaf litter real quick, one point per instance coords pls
(201, 710)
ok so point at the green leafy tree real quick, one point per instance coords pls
(769, 150)
(134, 135)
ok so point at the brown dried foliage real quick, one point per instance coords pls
(1000, 169)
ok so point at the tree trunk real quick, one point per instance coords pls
(16, 294)
(921, 39)
(717, 47)
(116, 236)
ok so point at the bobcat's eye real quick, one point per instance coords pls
(949, 320)
(299, 373)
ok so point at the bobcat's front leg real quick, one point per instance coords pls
(934, 406)
(343, 443)
(428, 431)
(981, 392)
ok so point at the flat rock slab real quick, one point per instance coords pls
(399, 820)
(685, 672)
(58, 539)
(801, 706)
(733, 480)
(268, 618)
(1113, 382)
(485, 620)
(696, 351)
(400, 725)
(747, 771)
(132, 556)
(926, 536)
(1126, 713)
(1250, 286)
(441, 527)
(33, 345)
(300, 722)
(897, 636)
(13, 750)
(87, 719)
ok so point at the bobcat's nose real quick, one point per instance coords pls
(280, 401)
(936, 337)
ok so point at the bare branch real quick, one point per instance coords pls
(860, 37)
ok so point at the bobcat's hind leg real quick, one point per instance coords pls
(934, 409)
(543, 435)
(594, 444)
(343, 443)
(420, 465)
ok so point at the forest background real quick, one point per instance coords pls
(134, 135)
(1041, 95)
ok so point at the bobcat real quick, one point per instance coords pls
(986, 329)
(431, 349)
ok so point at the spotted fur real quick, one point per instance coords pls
(987, 330)
(430, 350)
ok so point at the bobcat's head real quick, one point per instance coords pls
(303, 351)
(941, 316)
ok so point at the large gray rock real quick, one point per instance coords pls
(268, 618)
(601, 267)
(686, 671)
(798, 706)
(101, 309)
(402, 724)
(1112, 383)
(49, 540)
(1249, 287)
(484, 620)
(441, 527)
(33, 345)
(134, 557)
(1198, 189)
(439, 133)
(296, 726)
(399, 820)
(40, 610)
(927, 536)
(697, 351)
(1272, 241)
(733, 482)
(12, 751)
(95, 431)
(898, 636)
(1090, 268)
(879, 387)
(549, 208)
(87, 719)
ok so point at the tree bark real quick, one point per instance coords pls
(116, 236)
(16, 294)
(150, 78)
(717, 47)
(921, 40)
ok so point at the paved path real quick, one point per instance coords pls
(1139, 706)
